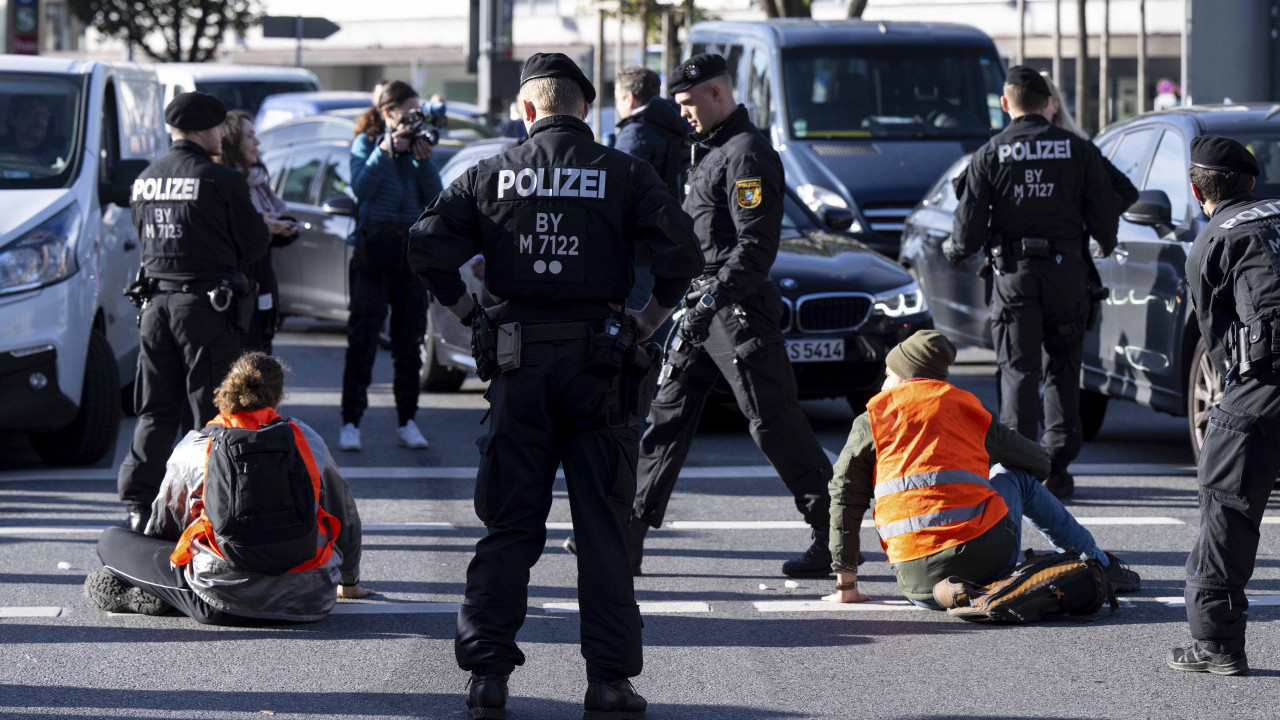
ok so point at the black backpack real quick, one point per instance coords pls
(259, 498)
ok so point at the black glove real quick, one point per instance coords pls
(953, 252)
(696, 325)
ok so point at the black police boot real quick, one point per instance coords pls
(639, 529)
(814, 563)
(137, 518)
(109, 593)
(487, 696)
(1060, 484)
(1196, 658)
(615, 700)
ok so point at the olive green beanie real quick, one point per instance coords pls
(926, 354)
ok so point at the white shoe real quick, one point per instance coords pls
(411, 437)
(350, 437)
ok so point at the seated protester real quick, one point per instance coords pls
(182, 561)
(923, 449)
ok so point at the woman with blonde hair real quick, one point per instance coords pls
(1055, 111)
(186, 561)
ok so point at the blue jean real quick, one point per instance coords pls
(1026, 497)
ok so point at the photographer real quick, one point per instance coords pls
(393, 178)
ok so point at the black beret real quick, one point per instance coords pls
(556, 65)
(1214, 152)
(195, 111)
(1029, 79)
(697, 69)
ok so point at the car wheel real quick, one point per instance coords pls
(436, 377)
(1093, 410)
(93, 432)
(1204, 390)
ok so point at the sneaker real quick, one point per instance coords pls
(411, 437)
(814, 563)
(350, 437)
(109, 593)
(1123, 580)
(487, 696)
(1060, 484)
(1196, 658)
(615, 700)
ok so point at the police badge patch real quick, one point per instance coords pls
(748, 193)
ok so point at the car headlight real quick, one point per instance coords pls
(899, 302)
(815, 196)
(44, 255)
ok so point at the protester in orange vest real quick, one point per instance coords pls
(923, 450)
(178, 563)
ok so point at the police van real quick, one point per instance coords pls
(865, 115)
(75, 135)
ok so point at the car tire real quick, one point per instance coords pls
(1093, 410)
(436, 377)
(1204, 390)
(93, 432)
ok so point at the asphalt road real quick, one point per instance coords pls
(724, 637)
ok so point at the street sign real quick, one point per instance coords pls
(313, 28)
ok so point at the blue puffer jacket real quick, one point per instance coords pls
(390, 189)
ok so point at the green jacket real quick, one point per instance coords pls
(853, 484)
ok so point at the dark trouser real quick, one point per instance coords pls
(1043, 305)
(747, 349)
(1238, 469)
(143, 562)
(261, 331)
(544, 414)
(186, 349)
(371, 293)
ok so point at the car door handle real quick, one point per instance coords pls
(1122, 255)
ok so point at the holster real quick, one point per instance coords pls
(1097, 291)
(140, 291)
(246, 300)
(999, 256)
(631, 391)
(609, 347)
(484, 346)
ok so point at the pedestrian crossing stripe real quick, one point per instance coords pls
(646, 608)
(395, 608)
(778, 606)
(1254, 600)
(28, 612)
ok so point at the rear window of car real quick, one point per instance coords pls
(248, 95)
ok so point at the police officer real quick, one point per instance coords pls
(1030, 198)
(198, 229)
(734, 194)
(1233, 277)
(558, 218)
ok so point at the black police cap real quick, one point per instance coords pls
(696, 70)
(195, 111)
(1024, 76)
(556, 65)
(1214, 152)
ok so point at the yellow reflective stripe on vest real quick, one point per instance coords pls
(921, 522)
(929, 479)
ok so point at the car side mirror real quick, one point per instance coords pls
(836, 219)
(119, 187)
(1153, 209)
(339, 205)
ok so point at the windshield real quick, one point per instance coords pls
(248, 95)
(892, 92)
(1267, 151)
(40, 144)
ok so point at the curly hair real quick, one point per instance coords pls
(255, 381)
(232, 134)
(393, 94)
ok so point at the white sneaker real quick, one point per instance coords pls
(411, 437)
(350, 437)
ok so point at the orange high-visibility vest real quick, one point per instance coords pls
(328, 526)
(931, 486)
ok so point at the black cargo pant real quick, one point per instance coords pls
(547, 413)
(375, 286)
(745, 345)
(143, 562)
(1038, 316)
(1238, 469)
(186, 349)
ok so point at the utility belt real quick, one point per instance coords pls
(1004, 252)
(1252, 349)
(237, 295)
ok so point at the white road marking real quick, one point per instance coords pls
(407, 527)
(775, 606)
(1131, 469)
(1254, 600)
(26, 612)
(737, 525)
(24, 530)
(1139, 520)
(381, 608)
(646, 608)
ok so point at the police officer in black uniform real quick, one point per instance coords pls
(734, 193)
(1031, 196)
(1233, 278)
(198, 229)
(558, 218)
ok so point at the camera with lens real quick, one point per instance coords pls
(425, 125)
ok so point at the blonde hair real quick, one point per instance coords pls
(255, 381)
(554, 96)
(1062, 118)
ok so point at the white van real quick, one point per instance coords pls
(73, 137)
(239, 87)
